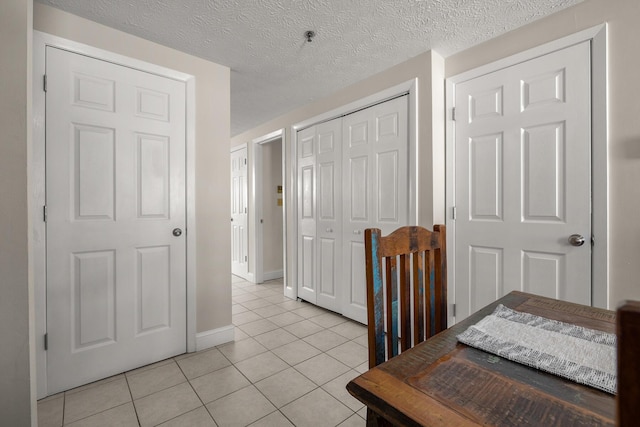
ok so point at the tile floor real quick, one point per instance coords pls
(289, 365)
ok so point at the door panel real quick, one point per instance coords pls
(307, 273)
(360, 186)
(327, 270)
(153, 289)
(153, 176)
(357, 296)
(329, 224)
(93, 299)
(485, 265)
(543, 169)
(543, 272)
(307, 223)
(376, 179)
(115, 182)
(387, 174)
(485, 168)
(523, 183)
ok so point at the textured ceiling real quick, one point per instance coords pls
(273, 68)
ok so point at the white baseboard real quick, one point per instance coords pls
(214, 337)
(270, 275)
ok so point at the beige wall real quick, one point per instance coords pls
(213, 261)
(428, 68)
(623, 18)
(17, 398)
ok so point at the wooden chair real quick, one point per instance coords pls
(406, 288)
(628, 334)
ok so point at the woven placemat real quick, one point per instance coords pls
(583, 355)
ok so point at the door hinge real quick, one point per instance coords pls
(453, 310)
(245, 160)
(44, 213)
(245, 210)
(44, 82)
(453, 114)
(46, 341)
(453, 213)
(245, 258)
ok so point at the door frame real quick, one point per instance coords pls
(37, 178)
(410, 88)
(257, 195)
(599, 149)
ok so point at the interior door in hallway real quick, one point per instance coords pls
(116, 242)
(523, 181)
(239, 199)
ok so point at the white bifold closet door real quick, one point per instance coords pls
(352, 174)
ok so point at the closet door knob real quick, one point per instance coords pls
(357, 231)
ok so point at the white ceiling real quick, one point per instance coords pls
(273, 68)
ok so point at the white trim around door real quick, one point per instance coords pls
(599, 167)
(37, 184)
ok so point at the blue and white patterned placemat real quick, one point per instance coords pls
(583, 355)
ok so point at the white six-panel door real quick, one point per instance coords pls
(523, 183)
(115, 185)
(239, 199)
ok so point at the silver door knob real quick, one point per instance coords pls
(357, 231)
(329, 230)
(177, 232)
(576, 240)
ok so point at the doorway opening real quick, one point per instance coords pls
(269, 249)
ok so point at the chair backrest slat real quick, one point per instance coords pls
(418, 295)
(405, 306)
(406, 288)
(392, 310)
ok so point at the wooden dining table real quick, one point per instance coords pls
(441, 382)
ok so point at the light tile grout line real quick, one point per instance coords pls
(135, 409)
